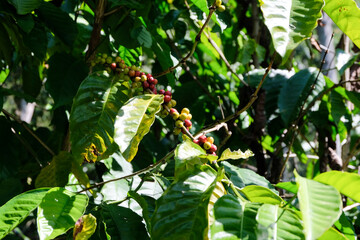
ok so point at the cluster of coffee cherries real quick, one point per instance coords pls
(145, 82)
(219, 6)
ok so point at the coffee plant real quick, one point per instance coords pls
(188, 119)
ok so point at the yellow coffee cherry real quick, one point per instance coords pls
(185, 110)
(189, 116)
(179, 123)
(207, 145)
(183, 116)
(210, 140)
(218, 3)
(143, 78)
(221, 8)
(175, 115)
(137, 79)
(173, 102)
(177, 131)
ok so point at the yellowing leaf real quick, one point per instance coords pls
(84, 227)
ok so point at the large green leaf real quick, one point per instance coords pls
(130, 56)
(122, 223)
(55, 174)
(320, 206)
(182, 211)
(58, 212)
(234, 219)
(345, 227)
(295, 91)
(346, 15)
(332, 234)
(187, 154)
(290, 22)
(346, 183)
(133, 122)
(25, 6)
(242, 177)
(261, 194)
(92, 117)
(281, 223)
(18, 208)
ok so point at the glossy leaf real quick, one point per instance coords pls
(332, 234)
(122, 223)
(84, 227)
(18, 208)
(58, 212)
(320, 206)
(242, 177)
(25, 6)
(346, 15)
(55, 174)
(228, 154)
(92, 117)
(130, 56)
(295, 91)
(286, 22)
(188, 218)
(187, 154)
(234, 219)
(345, 227)
(288, 186)
(133, 122)
(346, 183)
(261, 195)
(281, 223)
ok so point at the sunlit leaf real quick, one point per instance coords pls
(58, 212)
(228, 154)
(84, 227)
(261, 195)
(133, 122)
(288, 186)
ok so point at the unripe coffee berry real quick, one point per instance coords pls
(177, 131)
(183, 116)
(179, 124)
(137, 79)
(143, 78)
(207, 145)
(173, 102)
(132, 73)
(185, 110)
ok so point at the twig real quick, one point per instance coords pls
(113, 11)
(29, 130)
(144, 170)
(347, 208)
(197, 40)
(222, 56)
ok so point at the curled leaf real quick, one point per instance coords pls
(228, 154)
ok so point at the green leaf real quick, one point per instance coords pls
(187, 155)
(55, 174)
(84, 227)
(338, 108)
(58, 212)
(133, 122)
(320, 206)
(122, 223)
(92, 117)
(261, 195)
(144, 206)
(25, 6)
(234, 219)
(332, 234)
(295, 91)
(281, 223)
(346, 15)
(346, 183)
(290, 22)
(64, 77)
(31, 81)
(187, 218)
(228, 154)
(345, 227)
(18, 208)
(59, 22)
(288, 186)
(130, 56)
(242, 177)
(142, 35)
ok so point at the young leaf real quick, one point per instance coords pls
(281, 223)
(122, 223)
(228, 154)
(320, 206)
(55, 174)
(285, 21)
(234, 219)
(84, 227)
(242, 177)
(349, 10)
(58, 212)
(187, 217)
(288, 186)
(92, 117)
(133, 122)
(261, 195)
(18, 208)
(346, 183)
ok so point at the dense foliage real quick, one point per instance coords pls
(189, 119)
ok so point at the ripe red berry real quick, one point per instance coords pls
(167, 98)
(202, 139)
(196, 141)
(142, 73)
(155, 81)
(173, 110)
(154, 91)
(137, 73)
(132, 73)
(161, 91)
(148, 75)
(113, 66)
(152, 86)
(151, 80)
(168, 93)
(146, 85)
(187, 123)
(213, 148)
